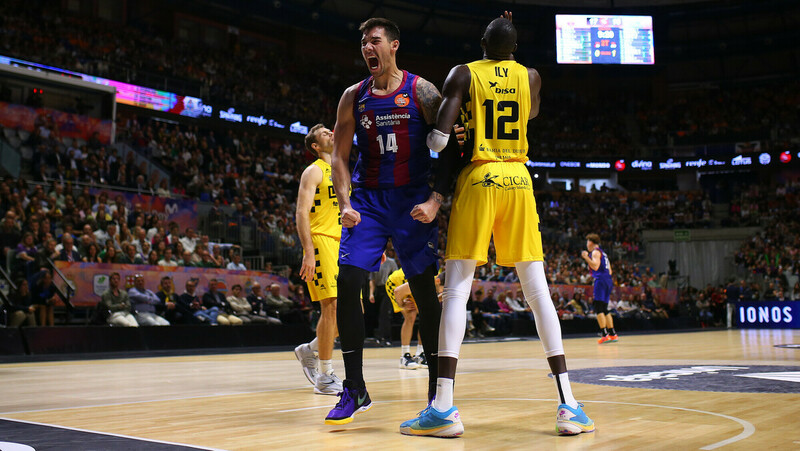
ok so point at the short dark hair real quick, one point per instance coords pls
(500, 37)
(236, 286)
(392, 30)
(594, 238)
(311, 138)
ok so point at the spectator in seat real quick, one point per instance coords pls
(189, 301)
(92, 254)
(190, 240)
(167, 260)
(166, 294)
(109, 254)
(26, 254)
(68, 252)
(118, 304)
(9, 233)
(243, 310)
(44, 295)
(145, 303)
(48, 251)
(186, 260)
(129, 257)
(152, 258)
(237, 264)
(258, 301)
(20, 308)
(213, 298)
(281, 306)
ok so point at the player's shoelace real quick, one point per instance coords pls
(344, 395)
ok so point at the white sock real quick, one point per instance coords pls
(313, 345)
(420, 350)
(405, 349)
(325, 367)
(564, 390)
(444, 394)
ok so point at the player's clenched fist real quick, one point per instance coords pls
(350, 217)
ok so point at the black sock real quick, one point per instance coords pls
(613, 332)
(423, 289)
(605, 331)
(351, 321)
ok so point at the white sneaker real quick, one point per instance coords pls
(308, 359)
(408, 363)
(421, 360)
(328, 384)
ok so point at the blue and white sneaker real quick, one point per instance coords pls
(571, 421)
(434, 423)
(351, 401)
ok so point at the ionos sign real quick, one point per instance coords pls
(768, 315)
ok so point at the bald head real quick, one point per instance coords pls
(500, 38)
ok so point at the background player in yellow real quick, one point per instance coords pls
(320, 229)
(494, 195)
(399, 293)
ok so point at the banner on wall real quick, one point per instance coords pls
(181, 211)
(69, 125)
(91, 279)
(664, 295)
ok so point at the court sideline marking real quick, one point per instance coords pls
(112, 434)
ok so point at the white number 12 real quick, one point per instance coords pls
(391, 143)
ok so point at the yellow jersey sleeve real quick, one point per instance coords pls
(324, 217)
(497, 110)
(394, 280)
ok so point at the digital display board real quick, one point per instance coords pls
(128, 94)
(599, 39)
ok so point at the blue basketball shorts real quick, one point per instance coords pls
(386, 213)
(602, 289)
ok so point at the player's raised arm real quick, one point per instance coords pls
(343, 134)
(456, 86)
(536, 85)
(429, 100)
(309, 181)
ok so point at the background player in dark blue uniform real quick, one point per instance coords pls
(391, 113)
(603, 284)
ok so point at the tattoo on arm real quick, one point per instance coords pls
(429, 98)
(438, 198)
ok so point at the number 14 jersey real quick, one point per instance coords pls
(390, 133)
(497, 110)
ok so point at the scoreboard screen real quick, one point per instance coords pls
(597, 39)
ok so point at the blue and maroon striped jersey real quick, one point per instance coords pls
(391, 132)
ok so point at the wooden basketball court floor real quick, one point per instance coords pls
(507, 401)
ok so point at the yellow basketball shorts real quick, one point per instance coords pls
(326, 259)
(494, 198)
(395, 305)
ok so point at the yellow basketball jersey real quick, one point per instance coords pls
(324, 217)
(394, 280)
(497, 110)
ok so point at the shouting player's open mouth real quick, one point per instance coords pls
(373, 63)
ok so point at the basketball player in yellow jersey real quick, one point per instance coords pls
(320, 229)
(399, 292)
(494, 196)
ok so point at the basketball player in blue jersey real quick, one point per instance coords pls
(601, 271)
(493, 198)
(390, 113)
